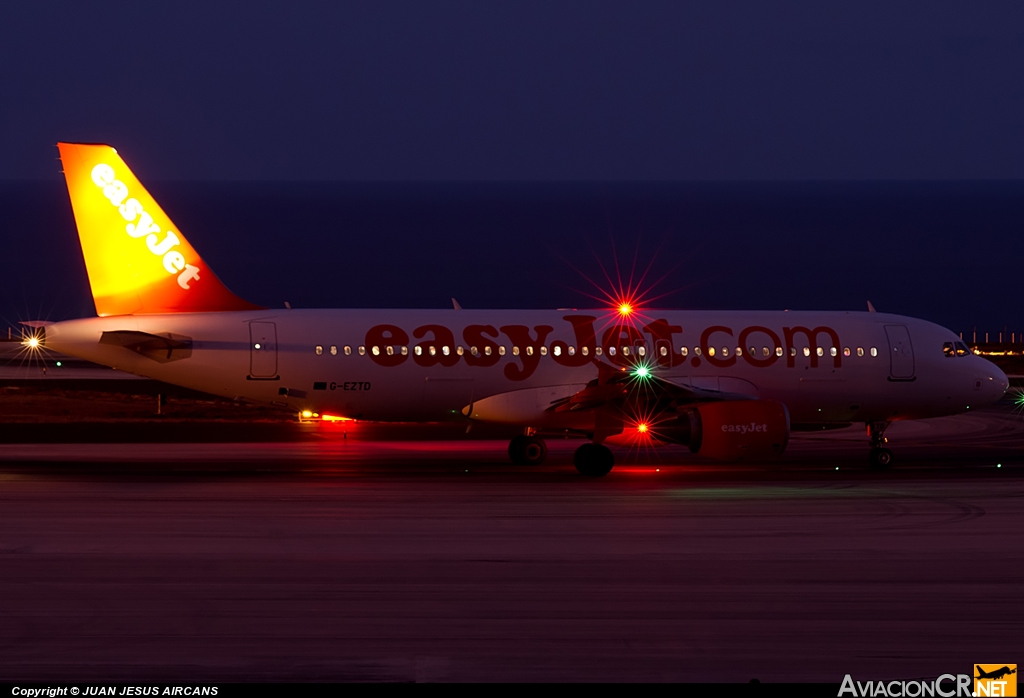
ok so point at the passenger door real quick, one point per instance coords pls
(262, 350)
(901, 353)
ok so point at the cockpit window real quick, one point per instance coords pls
(948, 350)
(961, 349)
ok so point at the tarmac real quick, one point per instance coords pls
(337, 558)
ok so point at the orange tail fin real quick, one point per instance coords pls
(137, 260)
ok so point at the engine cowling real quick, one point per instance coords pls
(731, 430)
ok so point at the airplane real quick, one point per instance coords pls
(994, 674)
(730, 385)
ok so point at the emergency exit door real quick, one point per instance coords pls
(901, 353)
(262, 350)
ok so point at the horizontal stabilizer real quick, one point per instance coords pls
(161, 348)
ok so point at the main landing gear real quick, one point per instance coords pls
(527, 450)
(593, 460)
(880, 457)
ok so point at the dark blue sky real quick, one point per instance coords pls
(524, 90)
(485, 93)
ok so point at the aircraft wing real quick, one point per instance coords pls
(621, 387)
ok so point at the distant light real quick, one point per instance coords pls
(657, 470)
(642, 427)
(256, 346)
(837, 467)
(58, 364)
(999, 465)
(307, 413)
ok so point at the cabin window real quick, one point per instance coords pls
(683, 351)
(529, 351)
(362, 350)
(807, 351)
(543, 351)
(319, 350)
(571, 351)
(390, 350)
(820, 351)
(334, 350)
(501, 350)
(833, 351)
(663, 351)
(585, 351)
(860, 351)
(515, 351)
(874, 351)
(598, 351)
(948, 349)
(696, 351)
(725, 351)
(375, 350)
(556, 350)
(711, 351)
(778, 351)
(474, 351)
(405, 351)
(625, 351)
(445, 350)
(611, 351)
(459, 350)
(961, 349)
(641, 350)
(487, 351)
(417, 350)
(846, 351)
(348, 350)
(432, 350)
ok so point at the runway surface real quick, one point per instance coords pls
(401, 561)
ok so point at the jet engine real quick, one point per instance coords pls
(730, 430)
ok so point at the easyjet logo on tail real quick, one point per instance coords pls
(140, 225)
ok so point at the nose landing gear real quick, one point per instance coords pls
(880, 457)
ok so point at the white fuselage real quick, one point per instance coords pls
(429, 365)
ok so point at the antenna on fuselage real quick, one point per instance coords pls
(871, 308)
(455, 305)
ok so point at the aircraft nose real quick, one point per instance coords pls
(997, 383)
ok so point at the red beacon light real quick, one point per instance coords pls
(625, 309)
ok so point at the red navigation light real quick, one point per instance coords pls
(625, 309)
(642, 427)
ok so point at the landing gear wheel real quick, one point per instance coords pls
(881, 458)
(527, 450)
(593, 460)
